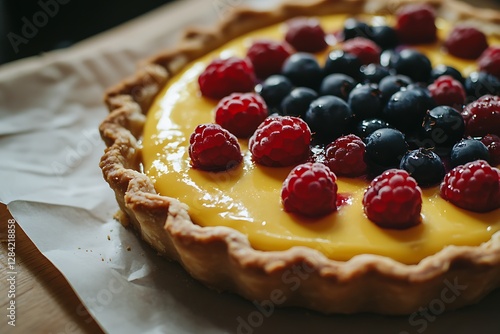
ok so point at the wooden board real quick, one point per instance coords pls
(44, 301)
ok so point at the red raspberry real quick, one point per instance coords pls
(489, 61)
(366, 50)
(482, 116)
(345, 156)
(225, 76)
(393, 200)
(241, 113)
(466, 42)
(268, 56)
(474, 186)
(213, 148)
(447, 91)
(492, 142)
(416, 24)
(280, 141)
(310, 189)
(306, 35)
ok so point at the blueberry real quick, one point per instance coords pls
(392, 84)
(442, 128)
(424, 166)
(384, 149)
(303, 70)
(385, 36)
(412, 63)
(441, 70)
(387, 56)
(373, 73)
(297, 102)
(273, 90)
(468, 150)
(367, 126)
(405, 110)
(478, 84)
(354, 28)
(422, 89)
(329, 117)
(339, 61)
(337, 85)
(365, 101)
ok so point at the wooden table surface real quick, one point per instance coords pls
(45, 302)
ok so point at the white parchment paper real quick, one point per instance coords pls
(50, 108)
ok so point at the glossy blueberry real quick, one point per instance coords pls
(339, 61)
(329, 117)
(441, 70)
(424, 166)
(442, 128)
(297, 102)
(273, 90)
(303, 70)
(355, 28)
(337, 85)
(478, 84)
(373, 73)
(468, 150)
(386, 56)
(405, 110)
(422, 89)
(367, 126)
(392, 84)
(384, 149)
(413, 64)
(385, 36)
(365, 101)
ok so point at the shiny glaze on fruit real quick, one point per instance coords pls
(247, 198)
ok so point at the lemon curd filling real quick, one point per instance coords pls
(247, 198)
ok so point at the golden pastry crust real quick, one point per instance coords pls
(222, 258)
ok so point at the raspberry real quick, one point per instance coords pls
(393, 200)
(492, 142)
(482, 116)
(268, 56)
(306, 35)
(345, 156)
(213, 148)
(416, 24)
(489, 61)
(280, 141)
(448, 92)
(466, 42)
(366, 50)
(225, 76)
(241, 113)
(310, 189)
(474, 186)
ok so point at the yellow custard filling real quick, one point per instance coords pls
(247, 198)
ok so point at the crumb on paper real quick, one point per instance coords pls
(102, 259)
(109, 238)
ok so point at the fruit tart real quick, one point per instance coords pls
(340, 156)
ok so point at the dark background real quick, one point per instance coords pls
(60, 23)
(74, 20)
